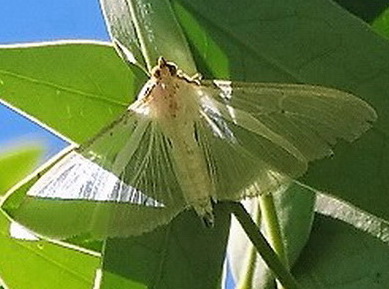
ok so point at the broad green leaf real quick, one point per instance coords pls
(42, 265)
(340, 256)
(16, 163)
(296, 42)
(183, 254)
(75, 88)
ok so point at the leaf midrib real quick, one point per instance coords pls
(57, 87)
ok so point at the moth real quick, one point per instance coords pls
(187, 143)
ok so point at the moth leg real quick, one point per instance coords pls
(208, 220)
(208, 217)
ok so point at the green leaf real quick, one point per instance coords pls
(381, 24)
(315, 43)
(42, 265)
(341, 256)
(183, 254)
(16, 163)
(74, 88)
(148, 29)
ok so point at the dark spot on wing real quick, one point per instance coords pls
(196, 133)
(169, 142)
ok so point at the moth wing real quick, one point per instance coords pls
(122, 181)
(259, 136)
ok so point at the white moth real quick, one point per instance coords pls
(188, 143)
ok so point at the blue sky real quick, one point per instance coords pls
(24, 21)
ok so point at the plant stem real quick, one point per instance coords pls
(263, 247)
(246, 281)
(272, 227)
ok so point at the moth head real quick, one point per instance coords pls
(164, 69)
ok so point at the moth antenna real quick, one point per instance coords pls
(162, 61)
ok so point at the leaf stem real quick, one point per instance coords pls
(263, 247)
(246, 281)
(272, 226)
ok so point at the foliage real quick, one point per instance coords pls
(15, 164)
